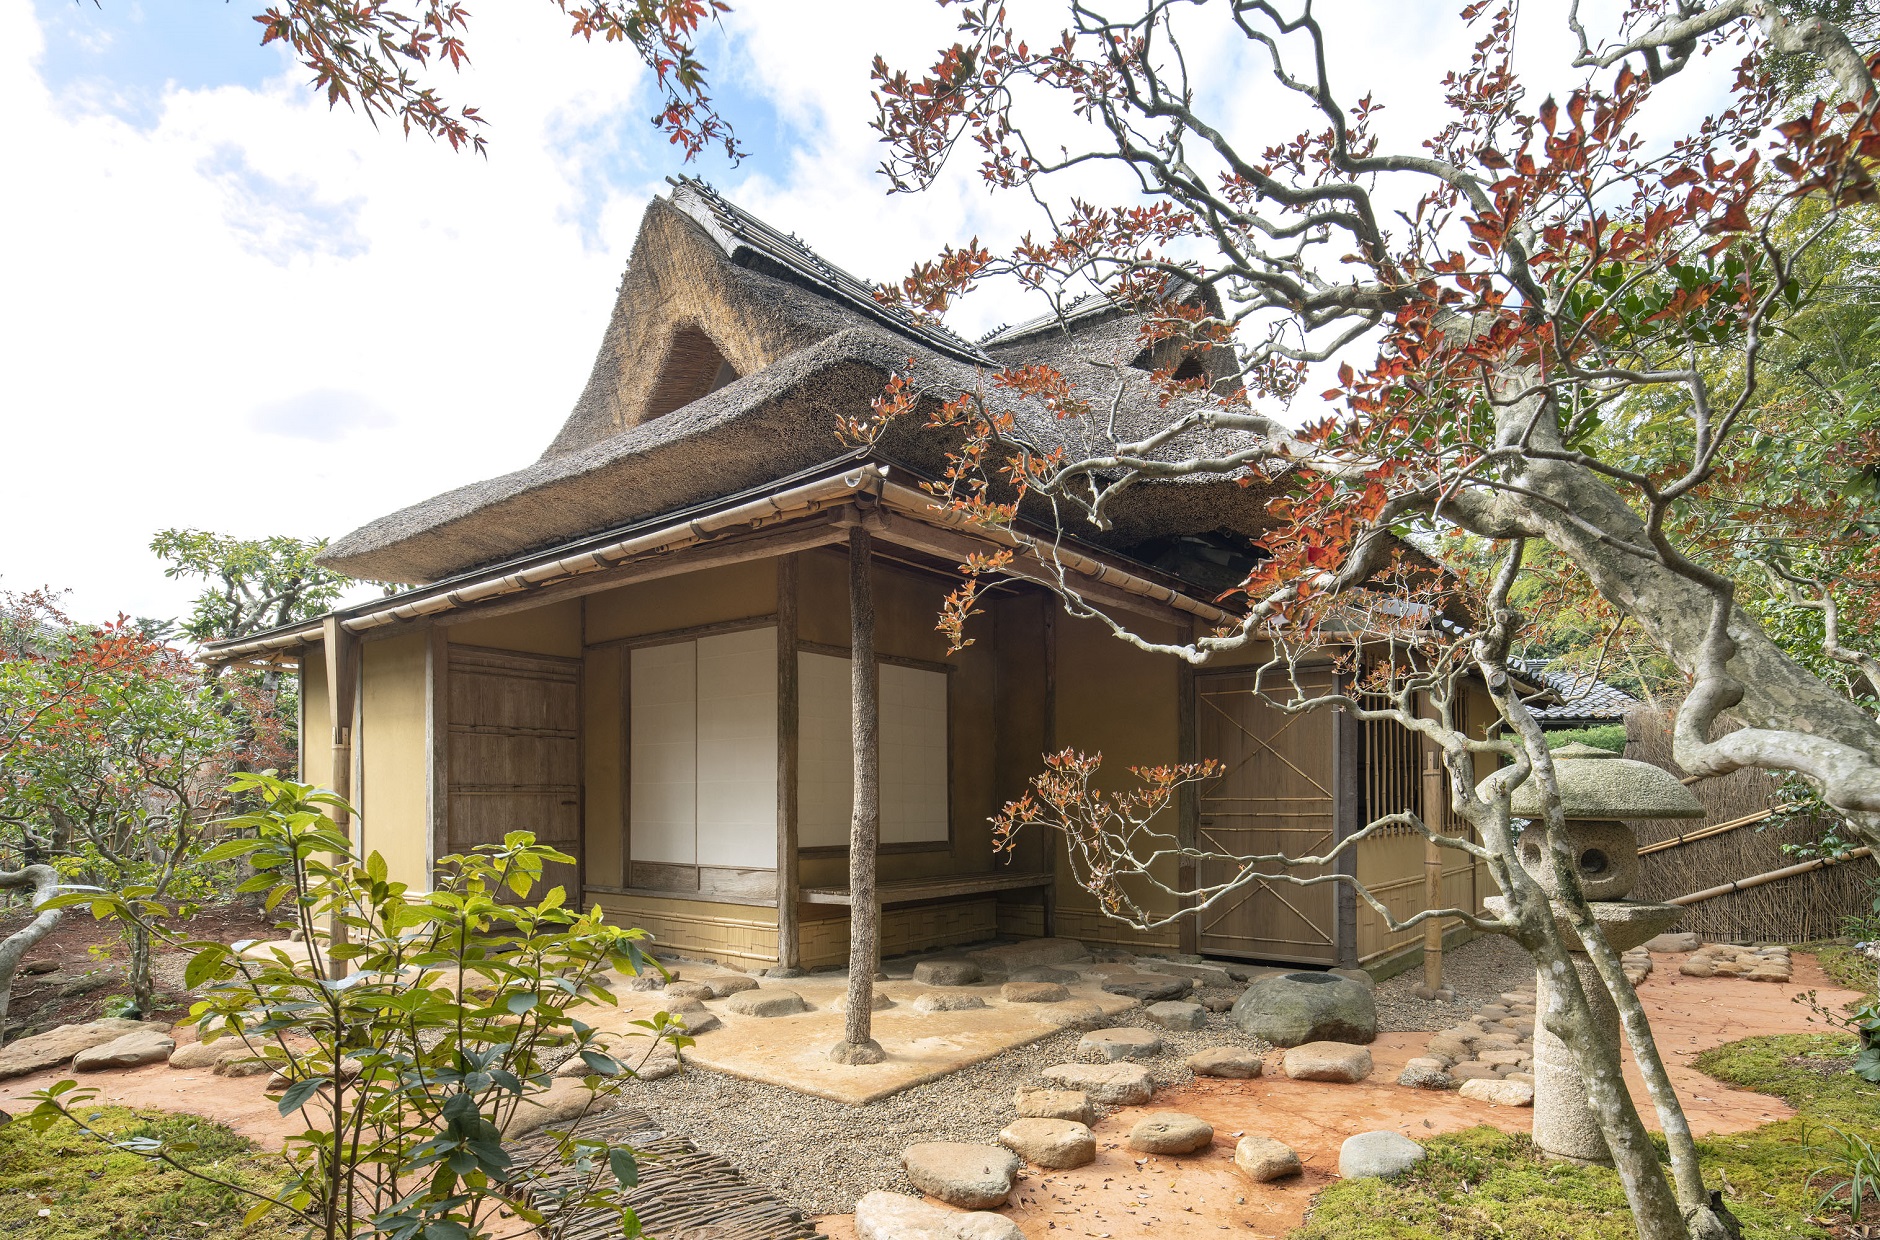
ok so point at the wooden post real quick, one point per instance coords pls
(1050, 746)
(1348, 813)
(789, 932)
(858, 1045)
(342, 686)
(1187, 804)
(437, 740)
(1435, 787)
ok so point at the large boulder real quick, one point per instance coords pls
(1111, 1084)
(1381, 1155)
(1289, 1009)
(56, 1046)
(129, 1050)
(1059, 1144)
(896, 1216)
(972, 1177)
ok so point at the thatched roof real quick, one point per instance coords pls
(731, 350)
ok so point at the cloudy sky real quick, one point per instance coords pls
(223, 306)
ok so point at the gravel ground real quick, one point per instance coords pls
(1478, 972)
(821, 1156)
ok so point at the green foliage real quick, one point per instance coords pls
(95, 1191)
(1481, 1183)
(433, 1040)
(1607, 736)
(253, 584)
(1852, 1179)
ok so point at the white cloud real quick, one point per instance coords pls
(324, 415)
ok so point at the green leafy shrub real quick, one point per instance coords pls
(1605, 736)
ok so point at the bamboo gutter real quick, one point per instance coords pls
(1758, 880)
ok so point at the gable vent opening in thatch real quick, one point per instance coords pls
(693, 368)
(1154, 359)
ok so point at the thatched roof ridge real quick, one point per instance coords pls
(799, 346)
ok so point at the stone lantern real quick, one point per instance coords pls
(1597, 789)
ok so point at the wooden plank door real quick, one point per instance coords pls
(515, 754)
(1274, 795)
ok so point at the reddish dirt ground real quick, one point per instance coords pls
(1201, 1195)
(90, 958)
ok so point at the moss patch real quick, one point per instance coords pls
(94, 1192)
(1482, 1183)
(1847, 967)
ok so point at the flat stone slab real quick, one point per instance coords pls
(973, 1177)
(1199, 974)
(1379, 1155)
(562, 1101)
(935, 1001)
(697, 1017)
(1059, 1144)
(1077, 1014)
(766, 1001)
(56, 1046)
(723, 987)
(1499, 1093)
(130, 1050)
(1111, 1084)
(1236, 1063)
(1071, 1104)
(1170, 1132)
(1034, 992)
(1008, 958)
(1048, 973)
(1113, 1045)
(211, 1055)
(946, 972)
(896, 1216)
(1174, 1014)
(1262, 1159)
(878, 1002)
(1338, 1062)
(1148, 987)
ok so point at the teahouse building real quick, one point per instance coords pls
(639, 646)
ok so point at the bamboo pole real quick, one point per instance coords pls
(1758, 880)
(1705, 833)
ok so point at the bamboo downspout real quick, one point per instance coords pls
(1758, 880)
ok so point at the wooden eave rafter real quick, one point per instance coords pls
(793, 519)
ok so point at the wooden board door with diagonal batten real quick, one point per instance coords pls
(1274, 795)
(515, 754)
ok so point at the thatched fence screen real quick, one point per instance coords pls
(1790, 910)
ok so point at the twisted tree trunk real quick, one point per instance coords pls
(44, 880)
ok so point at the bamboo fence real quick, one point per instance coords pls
(1737, 842)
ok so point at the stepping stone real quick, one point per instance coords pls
(878, 1002)
(1338, 1062)
(56, 1046)
(1170, 1132)
(1059, 1144)
(130, 1050)
(649, 981)
(936, 1002)
(1077, 1014)
(1499, 1093)
(1294, 1008)
(1071, 1104)
(1676, 941)
(1047, 973)
(1236, 1063)
(972, 1177)
(1262, 1159)
(1503, 1059)
(766, 1002)
(1111, 1045)
(896, 1216)
(562, 1101)
(689, 990)
(1423, 1073)
(728, 985)
(1472, 1070)
(1149, 987)
(1218, 1003)
(1008, 958)
(1111, 1084)
(947, 972)
(1447, 1046)
(697, 1017)
(1377, 1155)
(1172, 1014)
(1199, 974)
(1033, 992)
(211, 1055)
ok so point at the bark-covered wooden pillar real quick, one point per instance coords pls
(858, 1044)
(342, 684)
(789, 932)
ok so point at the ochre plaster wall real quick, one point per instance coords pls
(603, 753)
(393, 756)
(729, 592)
(553, 628)
(316, 731)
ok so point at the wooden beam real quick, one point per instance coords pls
(907, 532)
(789, 932)
(911, 890)
(858, 1044)
(820, 531)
